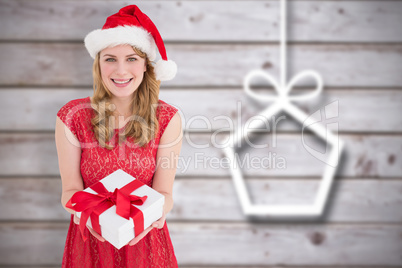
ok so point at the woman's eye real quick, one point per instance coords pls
(110, 59)
(132, 59)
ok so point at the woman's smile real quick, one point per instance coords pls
(121, 82)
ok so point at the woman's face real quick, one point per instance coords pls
(122, 70)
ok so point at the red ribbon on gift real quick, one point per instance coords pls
(93, 205)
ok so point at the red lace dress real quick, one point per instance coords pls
(155, 249)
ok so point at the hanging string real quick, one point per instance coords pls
(283, 44)
(282, 88)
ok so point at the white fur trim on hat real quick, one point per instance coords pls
(165, 70)
(99, 39)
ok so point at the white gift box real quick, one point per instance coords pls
(117, 230)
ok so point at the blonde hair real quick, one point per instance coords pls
(143, 125)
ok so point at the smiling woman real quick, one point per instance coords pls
(125, 107)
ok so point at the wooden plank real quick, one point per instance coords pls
(250, 244)
(38, 199)
(181, 266)
(196, 266)
(52, 266)
(350, 200)
(308, 21)
(230, 244)
(37, 243)
(286, 156)
(209, 65)
(34, 154)
(38, 108)
(32, 199)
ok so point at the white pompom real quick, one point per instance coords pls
(165, 70)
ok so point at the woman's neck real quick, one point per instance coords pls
(122, 106)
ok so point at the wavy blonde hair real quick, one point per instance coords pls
(143, 123)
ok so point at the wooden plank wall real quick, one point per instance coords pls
(355, 45)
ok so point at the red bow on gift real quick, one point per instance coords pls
(93, 205)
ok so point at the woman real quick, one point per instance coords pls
(125, 126)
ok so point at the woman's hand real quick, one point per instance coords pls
(157, 224)
(77, 221)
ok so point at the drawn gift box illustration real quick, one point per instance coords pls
(282, 102)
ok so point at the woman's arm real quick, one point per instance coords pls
(166, 160)
(166, 165)
(69, 155)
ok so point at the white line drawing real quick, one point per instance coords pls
(282, 102)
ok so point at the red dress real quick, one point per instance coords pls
(155, 249)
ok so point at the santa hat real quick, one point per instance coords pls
(131, 26)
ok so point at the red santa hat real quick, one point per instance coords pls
(131, 26)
